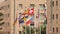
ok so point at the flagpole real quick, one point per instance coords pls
(24, 22)
(30, 30)
(14, 17)
(51, 15)
(25, 29)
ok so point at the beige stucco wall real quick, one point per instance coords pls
(55, 22)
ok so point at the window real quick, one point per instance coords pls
(42, 6)
(56, 16)
(56, 3)
(1, 19)
(53, 16)
(53, 3)
(32, 5)
(8, 24)
(0, 8)
(56, 29)
(1, 14)
(20, 5)
(1, 23)
(1, 28)
(5, 0)
(8, 14)
(53, 29)
(8, 6)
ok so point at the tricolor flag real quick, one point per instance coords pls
(30, 20)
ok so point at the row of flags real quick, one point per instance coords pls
(27, 16)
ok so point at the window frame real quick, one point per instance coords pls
(57, 3)
(56, 29)
(32, 5)
(56, 16)
(21, 5)
(52, 3)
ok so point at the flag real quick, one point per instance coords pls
(15, 22)
(45, 13)
(25, 12)
(24, 18)
(19, 16)
(31, 11)
(16, 19)
(30, 20)
(38, 14)
(21, 21)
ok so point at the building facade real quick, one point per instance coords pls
(6, 16)
(53, 14)
(9, 10)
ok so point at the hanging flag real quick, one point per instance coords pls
(31, 11)
(16, 19)
(32, 18)
(19, 16)
(25, 12)
(20, 20)
(24, 19)
(26, 16)
(45, 13)
(28, 21)
(15, 22)
(32, 21)
(38, 14)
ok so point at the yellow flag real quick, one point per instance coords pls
(24, 19)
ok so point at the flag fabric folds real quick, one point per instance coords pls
(30, 20)
(31, 11)
(26, 17)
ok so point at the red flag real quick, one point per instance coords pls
(28, 22)
(31, 11)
